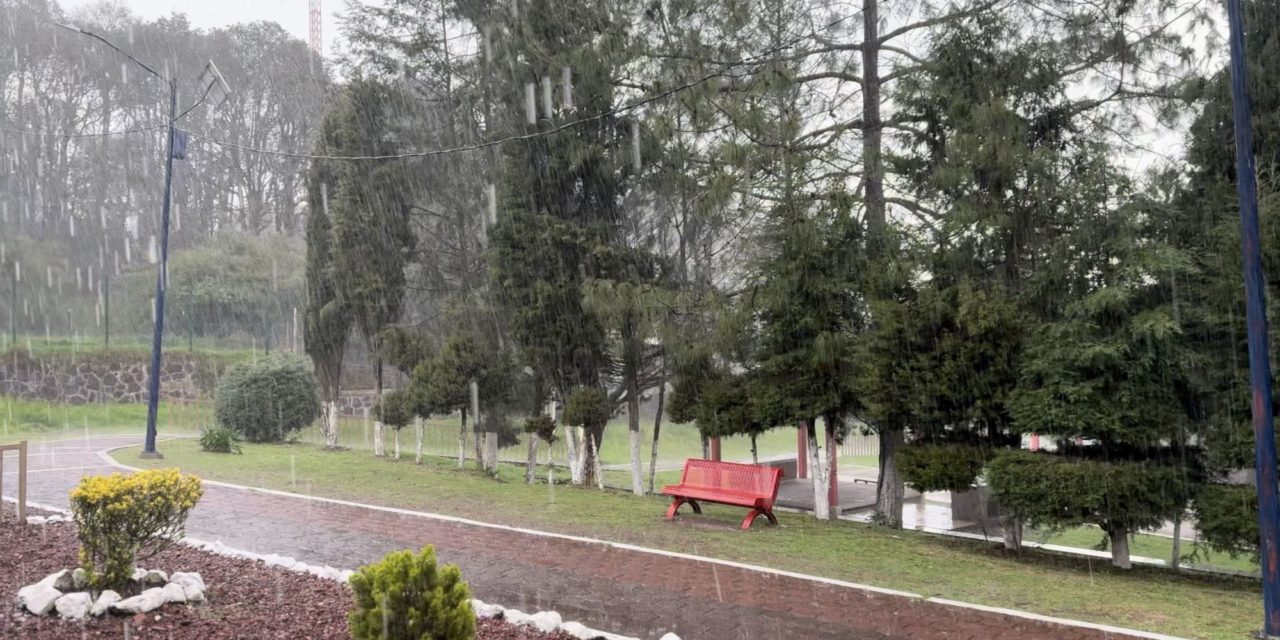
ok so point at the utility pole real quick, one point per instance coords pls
(215, 87)
(162, 277)
(1259, 349)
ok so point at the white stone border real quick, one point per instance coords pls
(544, 621)
(1123, 631)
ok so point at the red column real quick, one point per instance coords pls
(833, 491)
(802, 452)
(715, 449)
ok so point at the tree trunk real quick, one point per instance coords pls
(872, 161)
(591, 472)
(657, 427)
(462, 440)
(595, 457)
(1011, 529)
(631, 370)
(832, 459)
(331, 424)
(477, 423)
(889, 491)
(821, 506)
(417, 429)
(755, 452)
(1175, 559)
(397, 441)
(378, 449)
(572, 444)
(491, 452)
(706, 447)
(531, 468)
(1120, 547)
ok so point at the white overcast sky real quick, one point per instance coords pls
(205, 14)
(1152, 146)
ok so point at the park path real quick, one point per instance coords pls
(616, 588)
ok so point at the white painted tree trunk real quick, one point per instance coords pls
(575, 457)
(1011, 529)
(595, 461)
(397, 442)
(491, 452)
(462, 441)
(331, 424)
(820, 474)
(531, 468)
(637, 470)
(378, 448)
(551, 468)
(417, 430)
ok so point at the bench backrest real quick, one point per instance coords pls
(755, 480)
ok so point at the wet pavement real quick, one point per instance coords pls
(605, 586)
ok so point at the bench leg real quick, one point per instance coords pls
(675, 504)
(755, 513)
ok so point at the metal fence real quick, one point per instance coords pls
(860, 445)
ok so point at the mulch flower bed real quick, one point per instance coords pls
(246, 599)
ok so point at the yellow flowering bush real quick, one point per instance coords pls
(123, 518)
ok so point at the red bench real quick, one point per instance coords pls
(741, 485)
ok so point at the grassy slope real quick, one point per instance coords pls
(1156, 600)
(1151, 546)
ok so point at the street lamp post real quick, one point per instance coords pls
(214, 86)
(162, 277)
(1259, 350)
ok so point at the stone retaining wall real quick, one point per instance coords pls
(65, 378)
(356, 404)
(125, 377)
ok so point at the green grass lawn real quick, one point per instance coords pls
(1145, 598)
(130, 346)
(39, 421)
(1151, 546)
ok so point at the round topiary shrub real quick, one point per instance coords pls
(587, 407)
(395, 409)
(408, 596)
(541, 426)
(267, 400)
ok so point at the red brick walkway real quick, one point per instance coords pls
(605, 587)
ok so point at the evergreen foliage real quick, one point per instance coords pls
(267, 400)
(408, 596)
